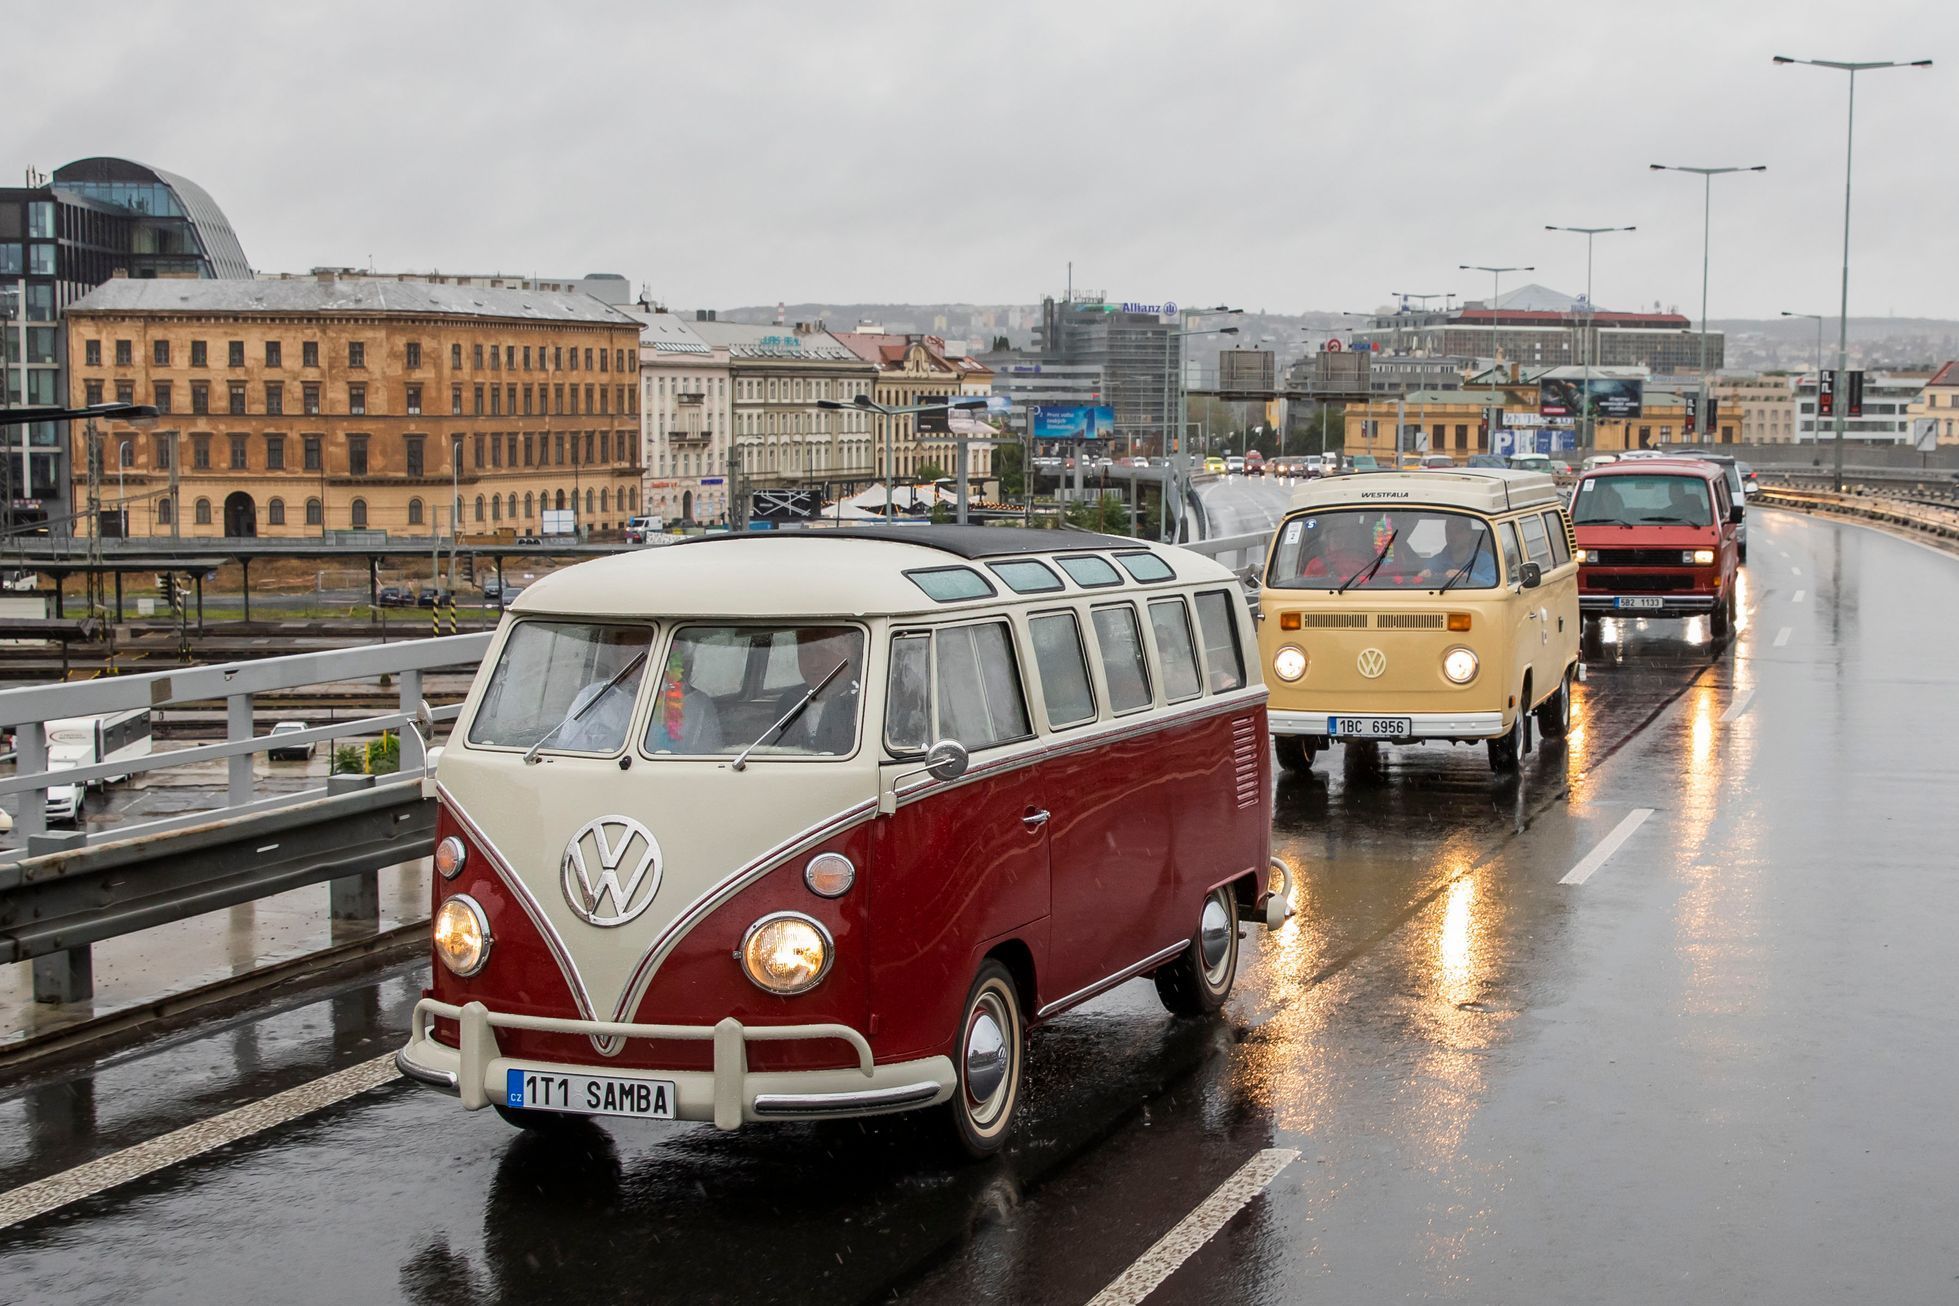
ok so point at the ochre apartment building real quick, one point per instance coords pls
(308, 407)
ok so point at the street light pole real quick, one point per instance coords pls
(1496, 293)
(1586, 416)
(1843, 314)
(1707, 176)
(1175, 481)
(1816, 421)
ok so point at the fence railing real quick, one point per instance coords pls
(1915, 515)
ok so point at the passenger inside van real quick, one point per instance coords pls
(685, 719)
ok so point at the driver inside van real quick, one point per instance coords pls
(829, 723)
(685, 719)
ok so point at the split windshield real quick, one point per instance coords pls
(1645, 499)
(1416, 548)
(550, 672)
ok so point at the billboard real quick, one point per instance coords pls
(1074, 422)
(1611, 397)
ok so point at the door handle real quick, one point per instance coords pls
(1036, 818)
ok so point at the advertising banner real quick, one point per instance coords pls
(1074, 422)
(1612, 398)
(1826, 394)
(1855, 396)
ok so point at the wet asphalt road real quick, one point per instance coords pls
(1720, 1069)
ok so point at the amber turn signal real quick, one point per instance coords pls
(1288, 621)
(1458, 621)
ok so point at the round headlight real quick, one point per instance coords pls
(449, 857)
(462, 935)
(786, 952)
(829, 875)
(1289, 663)
(1459, 665)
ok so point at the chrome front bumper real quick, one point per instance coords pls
(1422, 725)
(729, 1094)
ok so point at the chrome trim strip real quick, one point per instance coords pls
(1126, 973)
(442, 1079)
(894, 1098)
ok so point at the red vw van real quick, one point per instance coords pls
(1657, 537)
(819, 824)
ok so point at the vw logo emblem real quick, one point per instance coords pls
(611, 870)
(1371, 662)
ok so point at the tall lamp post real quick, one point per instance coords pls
(1816, 422)
(1707, 176)
(1591, 325)
(1179, 475)
(1496, 293)
(1849, 143)
(890, 412)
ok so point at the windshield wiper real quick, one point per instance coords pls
(1463, 570)
(1368, 571)
(530, 758)
(741, 759)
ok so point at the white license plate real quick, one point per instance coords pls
(1639, 603)
(589, 1095)
(1369, 727)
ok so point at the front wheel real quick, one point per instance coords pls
(1554, 713)
(990, 1056)
(1507, 753)
(1198, 981)
(1295, 752)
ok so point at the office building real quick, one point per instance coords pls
(779, 374)
(1889, 400)
(1137, 352)
(1536, 326)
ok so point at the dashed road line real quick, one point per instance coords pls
(1795, 571)
(1799, 596)
(1739, 706)
(1606, 847)
(1782, 637)
(1170, 1251)
(164, 1151)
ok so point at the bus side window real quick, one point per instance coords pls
(1537, 541)
(1224, 661)
(980, 703)
(1560, 545)
(908, 697)
(1506, 533)
(1170, 621)
(1062, 665)
(1120, 641)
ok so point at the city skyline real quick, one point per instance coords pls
(844, 165)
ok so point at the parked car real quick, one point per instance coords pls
(1433, 461)
(641, 529)
(1486, 460)
(1363, 462)
(431, 597)
(299, 752)
(393, 596)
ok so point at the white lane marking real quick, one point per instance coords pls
(1795, 571)
(1150, 1269)
(1739, 706)
(1607, 846)
(1782, 637)
(57, 1191)
(1799, 596)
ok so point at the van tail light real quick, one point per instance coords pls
(1288, 621)
(1459, 621)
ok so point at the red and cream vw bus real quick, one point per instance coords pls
(780, 827)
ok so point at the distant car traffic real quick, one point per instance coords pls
(1363, 462)
(1486, 460)
(1234, 465)
(297, 752)
(1434, 461)
(1658, 537)
(1215, 466)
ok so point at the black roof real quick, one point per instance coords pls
(961, 541)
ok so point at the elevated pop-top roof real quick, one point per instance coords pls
(860, 571)
(1480, 489)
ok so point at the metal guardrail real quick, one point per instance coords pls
(1942, 523)
(76, 889)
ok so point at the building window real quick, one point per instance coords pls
(309, 396)
(201, 514)
(92, 353)
(238, 462)
(415, 445)
(527, 448)
(275, 453)
(496, 401)
(235, 353)
(496, 508)
(479, 401)
(275, 397)
(237, 398)
(275, 513)
(455, 355)
(200, 396)
(273, 354)
(357, 455)
(160, 353)
(414, 512)
(125, 354)
(93, 393)
(357, 514)
(357, 399)
(527, 358)
(161, 391)
(199, 357)
(309, 353)
(310, 458)
(313, 515)
(479, 451)
(528, 505)
(200, 452)
(510, 358)
(479, 507)
(160, 452)
(414, 353)
(356, 353)
(414, 399)
(476, 357)
(455, 401)
(574, 360)
(510, 399)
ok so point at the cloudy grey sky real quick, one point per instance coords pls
(1278, 155)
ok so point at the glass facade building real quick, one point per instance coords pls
(95, 219)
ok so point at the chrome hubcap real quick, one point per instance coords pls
(986, 1054)
(1214, 934)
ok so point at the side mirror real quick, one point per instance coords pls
(1530, 575)
(1736, 514)
(946, 760)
